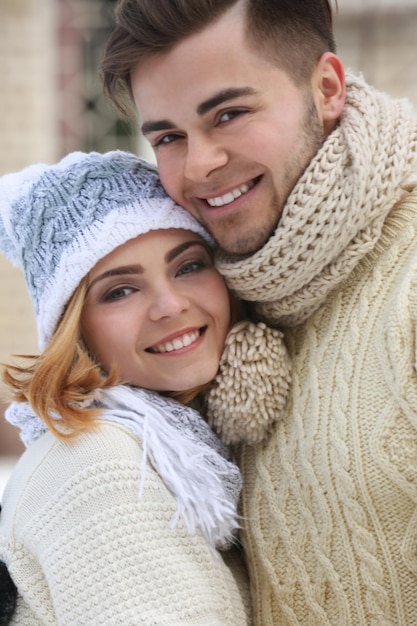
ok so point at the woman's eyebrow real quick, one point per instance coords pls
(117, 271)
(171, 254)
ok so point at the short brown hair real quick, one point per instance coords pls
(295, 33)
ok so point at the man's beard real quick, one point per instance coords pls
(313, 136)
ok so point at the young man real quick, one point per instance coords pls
(307, 179)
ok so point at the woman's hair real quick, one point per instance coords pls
(293, 33)
(61, 382)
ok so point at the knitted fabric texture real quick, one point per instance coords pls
(58, 221)
(335, 213)
(332, 219)
(83, 549)
(331, 495)
(179, 444)
(249, 392)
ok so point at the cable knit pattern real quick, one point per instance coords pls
(332, 219)
(137, 567)
(331, 495)
(57, 221)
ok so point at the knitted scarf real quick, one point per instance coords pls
(332, 219)
(335, 213)
(179, 444)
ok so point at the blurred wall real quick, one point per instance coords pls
(50, 103)
(28, 100)
(28, 96)
(379, 39)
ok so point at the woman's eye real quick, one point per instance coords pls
(118, 293)
(189, 268)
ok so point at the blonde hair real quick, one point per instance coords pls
(61, 382)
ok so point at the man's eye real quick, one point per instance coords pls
(165, 139)
(227, 116)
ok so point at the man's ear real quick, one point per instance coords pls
(329, 86)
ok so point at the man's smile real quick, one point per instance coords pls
(230, 196)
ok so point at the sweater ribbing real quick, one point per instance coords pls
(82, 548)
(331, 494)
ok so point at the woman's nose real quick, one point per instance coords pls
(167, 302)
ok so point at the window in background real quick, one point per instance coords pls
(86, 119)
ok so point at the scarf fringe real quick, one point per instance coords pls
(194, 472)
(179, 444)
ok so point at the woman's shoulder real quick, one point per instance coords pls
(102, 443)
(51, 465)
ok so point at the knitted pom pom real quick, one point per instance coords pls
(249, 392)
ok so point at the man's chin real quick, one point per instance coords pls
(244, 246)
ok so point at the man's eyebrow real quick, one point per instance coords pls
(204, 107)
(224, 96)
(149, 127)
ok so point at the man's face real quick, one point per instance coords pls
(231, 131)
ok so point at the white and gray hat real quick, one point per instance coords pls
(58, 221)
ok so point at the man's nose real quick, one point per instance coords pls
(204, 156)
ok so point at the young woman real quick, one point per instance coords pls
(116, 512)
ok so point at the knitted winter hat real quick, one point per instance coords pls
(58, 221)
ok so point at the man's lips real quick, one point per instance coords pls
(177, 343)
(232, 195)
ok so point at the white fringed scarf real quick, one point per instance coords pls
(332, 219)
(181, 447)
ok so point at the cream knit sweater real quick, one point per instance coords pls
(330, 498)
(84, 550)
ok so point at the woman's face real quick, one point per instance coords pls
(158, 309)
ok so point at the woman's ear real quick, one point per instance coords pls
(330, 89)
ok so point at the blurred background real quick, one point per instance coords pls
(51, 104)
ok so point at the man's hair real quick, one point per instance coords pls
(292, 33)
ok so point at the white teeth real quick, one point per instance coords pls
(230, 196)
(177, 343)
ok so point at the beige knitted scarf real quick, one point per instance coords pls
(332, 219)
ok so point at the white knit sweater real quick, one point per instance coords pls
(83, 549)
(331, 496)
